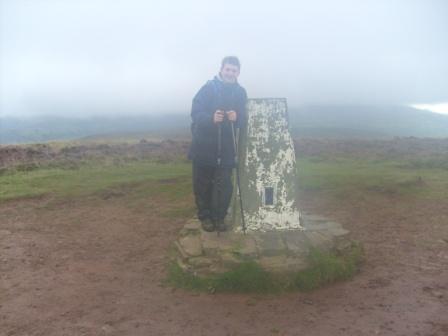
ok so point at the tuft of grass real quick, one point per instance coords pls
(341, 177)
(248, 277)
(326, 268)
(177, 277)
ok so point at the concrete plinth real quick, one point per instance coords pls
(204, 253)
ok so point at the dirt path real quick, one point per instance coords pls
(94, 267)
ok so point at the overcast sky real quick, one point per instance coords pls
(103, 57)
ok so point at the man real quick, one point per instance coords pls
(218, 105)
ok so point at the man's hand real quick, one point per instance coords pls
(231, 115)
(218, 117)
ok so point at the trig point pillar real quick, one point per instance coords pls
(268, 172)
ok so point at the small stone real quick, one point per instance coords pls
(107, 329)
(193, 224)
(191, 245)
(200, 261)
(183, 265)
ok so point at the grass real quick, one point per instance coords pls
(427, 163)
(134, 137)
(341, 176)
(326, 268)
(95, 177)
(421, 176)
(345, 176)
(248, 277)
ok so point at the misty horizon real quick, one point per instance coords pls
(93, 57)
(143, 113)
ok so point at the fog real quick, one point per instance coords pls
(95, 57)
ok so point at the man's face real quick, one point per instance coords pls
(229, 73)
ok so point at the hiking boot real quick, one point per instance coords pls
(221, 226)
(207, 225)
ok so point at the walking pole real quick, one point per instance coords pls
(235, 150)
(218, 177)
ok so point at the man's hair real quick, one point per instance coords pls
(231, 60)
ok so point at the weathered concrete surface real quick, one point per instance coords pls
(270, 243)
(267, 161)
(297, 243)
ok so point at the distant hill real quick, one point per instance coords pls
(48, 128)
(305, 121)
(366, 122)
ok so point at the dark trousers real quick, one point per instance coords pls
(212, 190)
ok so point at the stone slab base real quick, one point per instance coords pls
(205, 253)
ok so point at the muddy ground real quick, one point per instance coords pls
(95, 266)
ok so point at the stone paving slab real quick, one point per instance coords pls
(314, 218)
(319, 240)
(270, 243)
(297, 243)
(248, 249)
(317, 226)
(226, 241)
(338, 232)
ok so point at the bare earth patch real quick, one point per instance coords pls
(96, 265)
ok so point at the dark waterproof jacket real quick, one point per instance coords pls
(216, 95)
